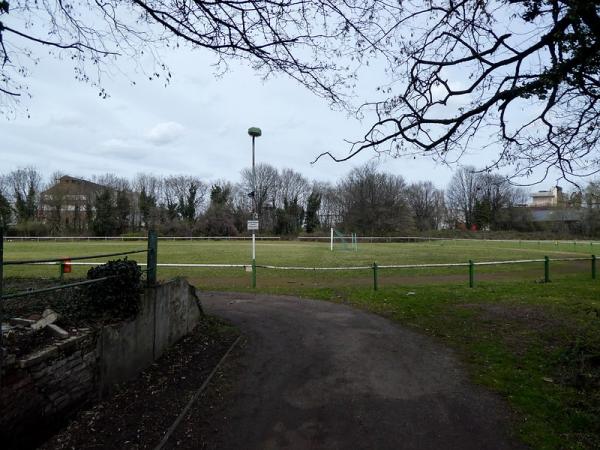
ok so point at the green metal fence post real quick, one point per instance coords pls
(61, 270)
(374, 276)
(471, 274)
(152, 257)
(546, 269)
(593, 267)
(253, 273)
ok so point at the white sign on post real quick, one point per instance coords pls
(253, 225)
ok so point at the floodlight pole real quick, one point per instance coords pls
(254, 213)
(254, 132)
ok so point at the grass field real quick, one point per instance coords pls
(536, 344)
(311, 254)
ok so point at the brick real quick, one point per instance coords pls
(91, 357)
(38, 375)
(61, 400)
(69, 343)
(22, 382)
(54, 396)
(57, 331)
(20, 321)
(57, 365)
(9, 361)
(38, 357)
(74, 364)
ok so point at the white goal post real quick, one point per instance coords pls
(341, 238)
(331, 240)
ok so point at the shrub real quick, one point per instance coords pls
(117, 297)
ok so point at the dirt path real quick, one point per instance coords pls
(321, 375)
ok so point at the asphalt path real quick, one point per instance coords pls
(320, 375)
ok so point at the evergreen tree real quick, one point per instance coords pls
(5, 211)
(147, 206)
(30, 202)
(313, 204)
(122, 211)
(219, 195)
(219, 219)
(289, 218)
(105, 221)
(187, 205)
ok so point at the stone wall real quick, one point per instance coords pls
(167, 313)
(41, 389)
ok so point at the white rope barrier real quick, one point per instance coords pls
(314, 268)
(421, 238)
(420, 266)
(516, 261)
(80, 263)
(383, 266)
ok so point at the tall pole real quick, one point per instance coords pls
(254, 132)
(254, 213)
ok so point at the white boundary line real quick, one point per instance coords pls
(383, 266)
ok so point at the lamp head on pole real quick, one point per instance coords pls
(254, 132)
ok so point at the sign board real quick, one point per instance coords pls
(252, 225)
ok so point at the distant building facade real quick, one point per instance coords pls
(552, 207)
(548, 199)
(69, 203)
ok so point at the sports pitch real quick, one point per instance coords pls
(317, 255)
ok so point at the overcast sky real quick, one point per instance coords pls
(197, 125)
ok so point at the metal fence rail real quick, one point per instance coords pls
(56, 288)
(139, 238)
(74, 258)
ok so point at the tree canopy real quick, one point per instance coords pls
(307, 40)
(516, 78)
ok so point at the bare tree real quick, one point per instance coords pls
(148, 182)
(525, 71)
(184, 197)
(461, 195)
(374, 202)
(302, 39)
(293, 185)
(427, 204)
(112, 181)
(24, 185)
(477, 198)
(264, 190)
(148, 189)
(331, 208)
